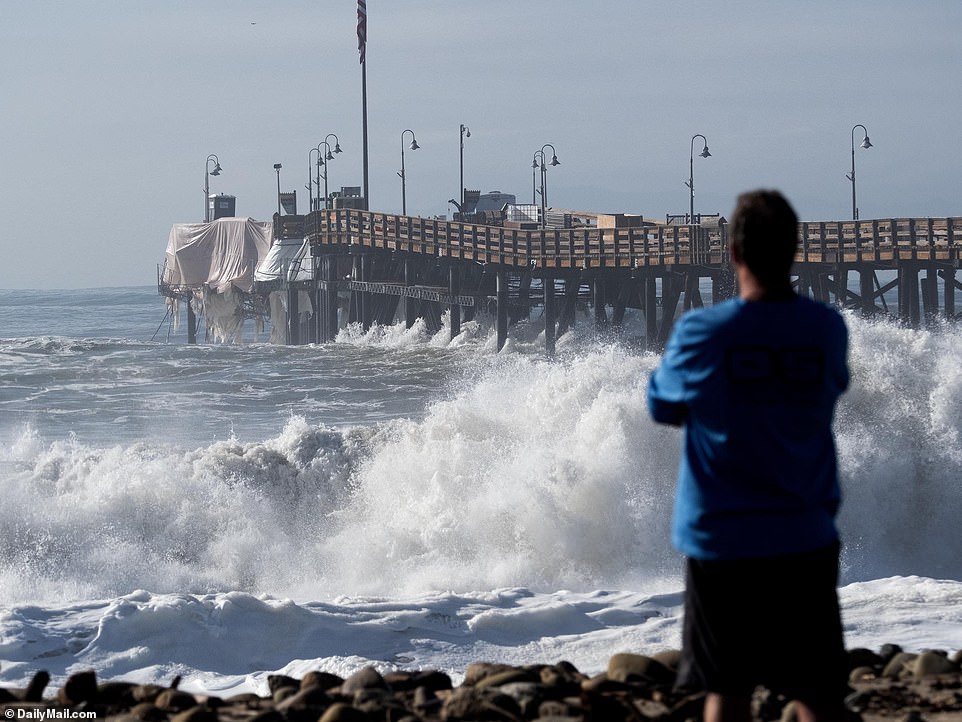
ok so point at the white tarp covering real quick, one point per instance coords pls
(220, 254)
(289, 259)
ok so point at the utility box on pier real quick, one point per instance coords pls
(222, 206)
(620, 220)
(349, 197)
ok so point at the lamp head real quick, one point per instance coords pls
(337, 147)
(704, 152)
(866, 143)
(277, 166)
(217, 169)
(328, 156)
(414, 144)
(554, 160)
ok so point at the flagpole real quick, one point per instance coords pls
(362, 51)
(367, 198)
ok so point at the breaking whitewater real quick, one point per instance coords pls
(229, 512)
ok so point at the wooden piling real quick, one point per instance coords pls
(293, 317)
(651, 311)
(454, 288)
(191, 323)
(502, 310)
(550, 315)
(866, 290)
(948, 291)
(410, 304)
(598, 302)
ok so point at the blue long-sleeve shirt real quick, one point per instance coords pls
(755, 385)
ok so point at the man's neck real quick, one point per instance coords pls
(751, 289)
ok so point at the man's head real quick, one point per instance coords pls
(764, 235)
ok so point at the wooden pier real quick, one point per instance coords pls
(378, 267)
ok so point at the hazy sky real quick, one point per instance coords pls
(111, 107)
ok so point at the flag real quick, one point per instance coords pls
(361, 28)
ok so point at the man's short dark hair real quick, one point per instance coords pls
(764, 234)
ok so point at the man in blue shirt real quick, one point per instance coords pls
(754, 382)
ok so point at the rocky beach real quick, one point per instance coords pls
(887, 684)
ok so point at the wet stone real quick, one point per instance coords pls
(366, 678)
(324, 680)
(173, 700)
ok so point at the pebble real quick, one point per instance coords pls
(887, 685)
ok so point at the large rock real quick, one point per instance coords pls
(933, 664)
(173, 700)
(899, 665)
(483, 705)
(340, 712)
(625, 667)
(79, 687)
(324, 680)
(365, 678)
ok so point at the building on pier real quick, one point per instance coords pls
(210, 267)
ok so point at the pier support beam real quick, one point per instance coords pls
(650, 291)
(365, 310)
(620, 303)
(327, 300)
(598, 301)
(522, 311)
(866, 290)
(293, 317)
(502, 303)
(692, 292)
(454, 288)
(671, 287)
(550, 316)
(566, 319)
(930, 295)
(410, 304)
(841, 285)
(948, 286)
(354, 305)
(191, 323)
(909, 295)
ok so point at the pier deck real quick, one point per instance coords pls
(368, 264)
(366, 267)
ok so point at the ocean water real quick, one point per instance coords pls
(402, 500)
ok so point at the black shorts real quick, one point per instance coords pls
(770, 621)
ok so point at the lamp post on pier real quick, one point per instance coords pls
(310, 180)
(866, 143)
(328, 155)
(534, 170)
(208, 172)
(277, 169)
(465, 133)
(691, 173)
(544, 179)
(414, 146)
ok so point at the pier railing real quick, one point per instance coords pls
(887, 239)
(585, 247)
(650, 244)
